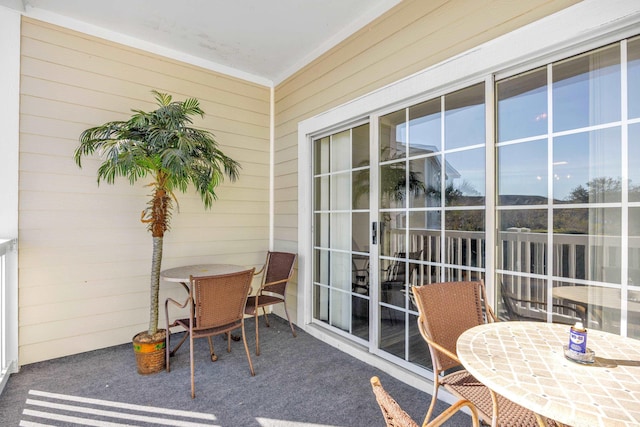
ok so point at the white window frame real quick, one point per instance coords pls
(579, 28)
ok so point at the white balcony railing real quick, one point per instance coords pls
(8, 310)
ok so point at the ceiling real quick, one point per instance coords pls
(264, 41)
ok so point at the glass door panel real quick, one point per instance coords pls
(341, 231)
(433, 148)
(567, 180)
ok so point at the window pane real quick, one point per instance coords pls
(464, 220)
(339, 231)
(587, 244)
(465, 178)
(424, 128)
(393, 136)
(340, 310)
(360, 149)
(321, 155)
(321, 234)
(425, 177)
(534, 220)
(321, 193)
(522, 241)
(341, 151)
(424, 234)
(321, 303)
(522, 173)
(633, 78)
(522, 106)
(521, 298)
(464, 117)
(459, 275)
(634, 162)
(392, 233)
(418, 351)
(361, 188)
(464, 238)
(586, 90)
(360, 316)
(340, 191)
(634, 247)
(599, 306)
(392, 330)
(586, 167)
(393, 183)
(360, 231)
(321, 266)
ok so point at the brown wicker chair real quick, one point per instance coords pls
(277, 272)
(446, 311)
(395, 416)
(216, 306)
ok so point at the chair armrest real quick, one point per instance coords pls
(265, 286)
(259, 271)
(443, 350)
(435, 345)
(176, 303)
(277, 282)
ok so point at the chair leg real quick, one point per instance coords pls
(293, 331)
(434, 399)
(246, 350)
(228, 342)
(266, 318)
(167, 355)
(193, 384)
(255, 316)
(214, 357)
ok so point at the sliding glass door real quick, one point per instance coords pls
(420, 214)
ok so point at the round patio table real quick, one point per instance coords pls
(525, 362)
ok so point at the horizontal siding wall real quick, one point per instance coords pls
(85, 257)
(410, 37)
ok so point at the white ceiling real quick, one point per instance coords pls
(260, 40)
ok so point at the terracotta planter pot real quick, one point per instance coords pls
(150, 352)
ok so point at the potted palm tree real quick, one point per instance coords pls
(163, 145)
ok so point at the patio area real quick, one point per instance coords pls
(299, 382)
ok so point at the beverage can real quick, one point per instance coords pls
(578, 338)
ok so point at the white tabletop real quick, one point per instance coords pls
(182, 274)
(524, 362)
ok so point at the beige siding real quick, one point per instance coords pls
(410, 37)
(84, 255)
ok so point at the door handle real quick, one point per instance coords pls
(374, 233)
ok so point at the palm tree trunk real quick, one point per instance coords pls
(155, 284)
